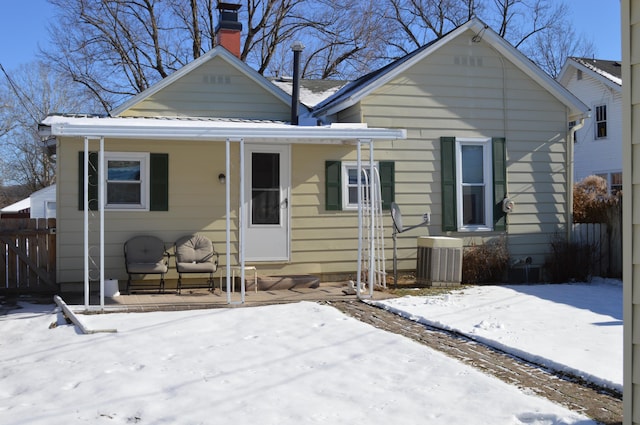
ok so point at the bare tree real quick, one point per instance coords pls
(117, 48)
(551, 49)
(28, 96)
(528, 25)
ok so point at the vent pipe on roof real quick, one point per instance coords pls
(297, 48)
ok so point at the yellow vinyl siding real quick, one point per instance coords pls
(321, 241)
(215, 89)
(440, 96)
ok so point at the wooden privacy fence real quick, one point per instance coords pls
(605, 242)
(28, 255)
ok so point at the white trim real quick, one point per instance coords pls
(605, 121)
(143, 158)
(345, 167)
(488, 184)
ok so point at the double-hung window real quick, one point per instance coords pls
(132, 181)
(473, 179)
(350, 179)
(601, 121)
(127, 177)
(473, 184)
(341, 184)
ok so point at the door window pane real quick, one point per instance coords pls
(265, 188)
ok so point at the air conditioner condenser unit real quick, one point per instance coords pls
(439, 261)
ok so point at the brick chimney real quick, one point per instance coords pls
(229, 29)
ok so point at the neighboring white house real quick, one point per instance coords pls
(43, 203)
(40, 204)
(598, 145)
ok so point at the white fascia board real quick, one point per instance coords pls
(275, 133)
(216, 51)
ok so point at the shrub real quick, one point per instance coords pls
(591, 200)
(485, 263)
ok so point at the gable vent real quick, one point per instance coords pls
(216, 79)
(468, 60)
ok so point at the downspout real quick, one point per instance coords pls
(572, 135)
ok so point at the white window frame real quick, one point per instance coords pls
(143, 158)
(488, 184)
(605, 120)
(346, 166)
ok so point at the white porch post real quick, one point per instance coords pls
(372, 205)
(228, 218)
(242, 218)
(86, 222)
(359, 178)
(101, 184)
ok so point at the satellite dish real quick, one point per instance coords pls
(397, 217)
(398, 228)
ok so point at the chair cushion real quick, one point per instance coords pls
(145, 249)
(147, 268)
(194, 249)
(207, 267)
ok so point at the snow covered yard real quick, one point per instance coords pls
(283, 364)
(575, 328)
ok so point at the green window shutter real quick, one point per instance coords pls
(159, 182)
(387, 183)
(499, 182)
(333, 185)
(93, 181)
(448, 178)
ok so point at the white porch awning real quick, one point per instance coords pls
(212, 130)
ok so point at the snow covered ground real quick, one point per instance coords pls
(284, 364)
(575, 328)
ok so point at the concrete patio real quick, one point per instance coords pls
(202, 298)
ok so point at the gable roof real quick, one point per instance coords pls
(354, 92)
(219, 52)
(608, 72)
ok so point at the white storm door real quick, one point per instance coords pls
(267, 187)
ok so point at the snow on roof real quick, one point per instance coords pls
(610, 70)
(211, 129)
(312, 92)
(20, 206)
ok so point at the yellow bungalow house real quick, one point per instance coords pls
(215, 152)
